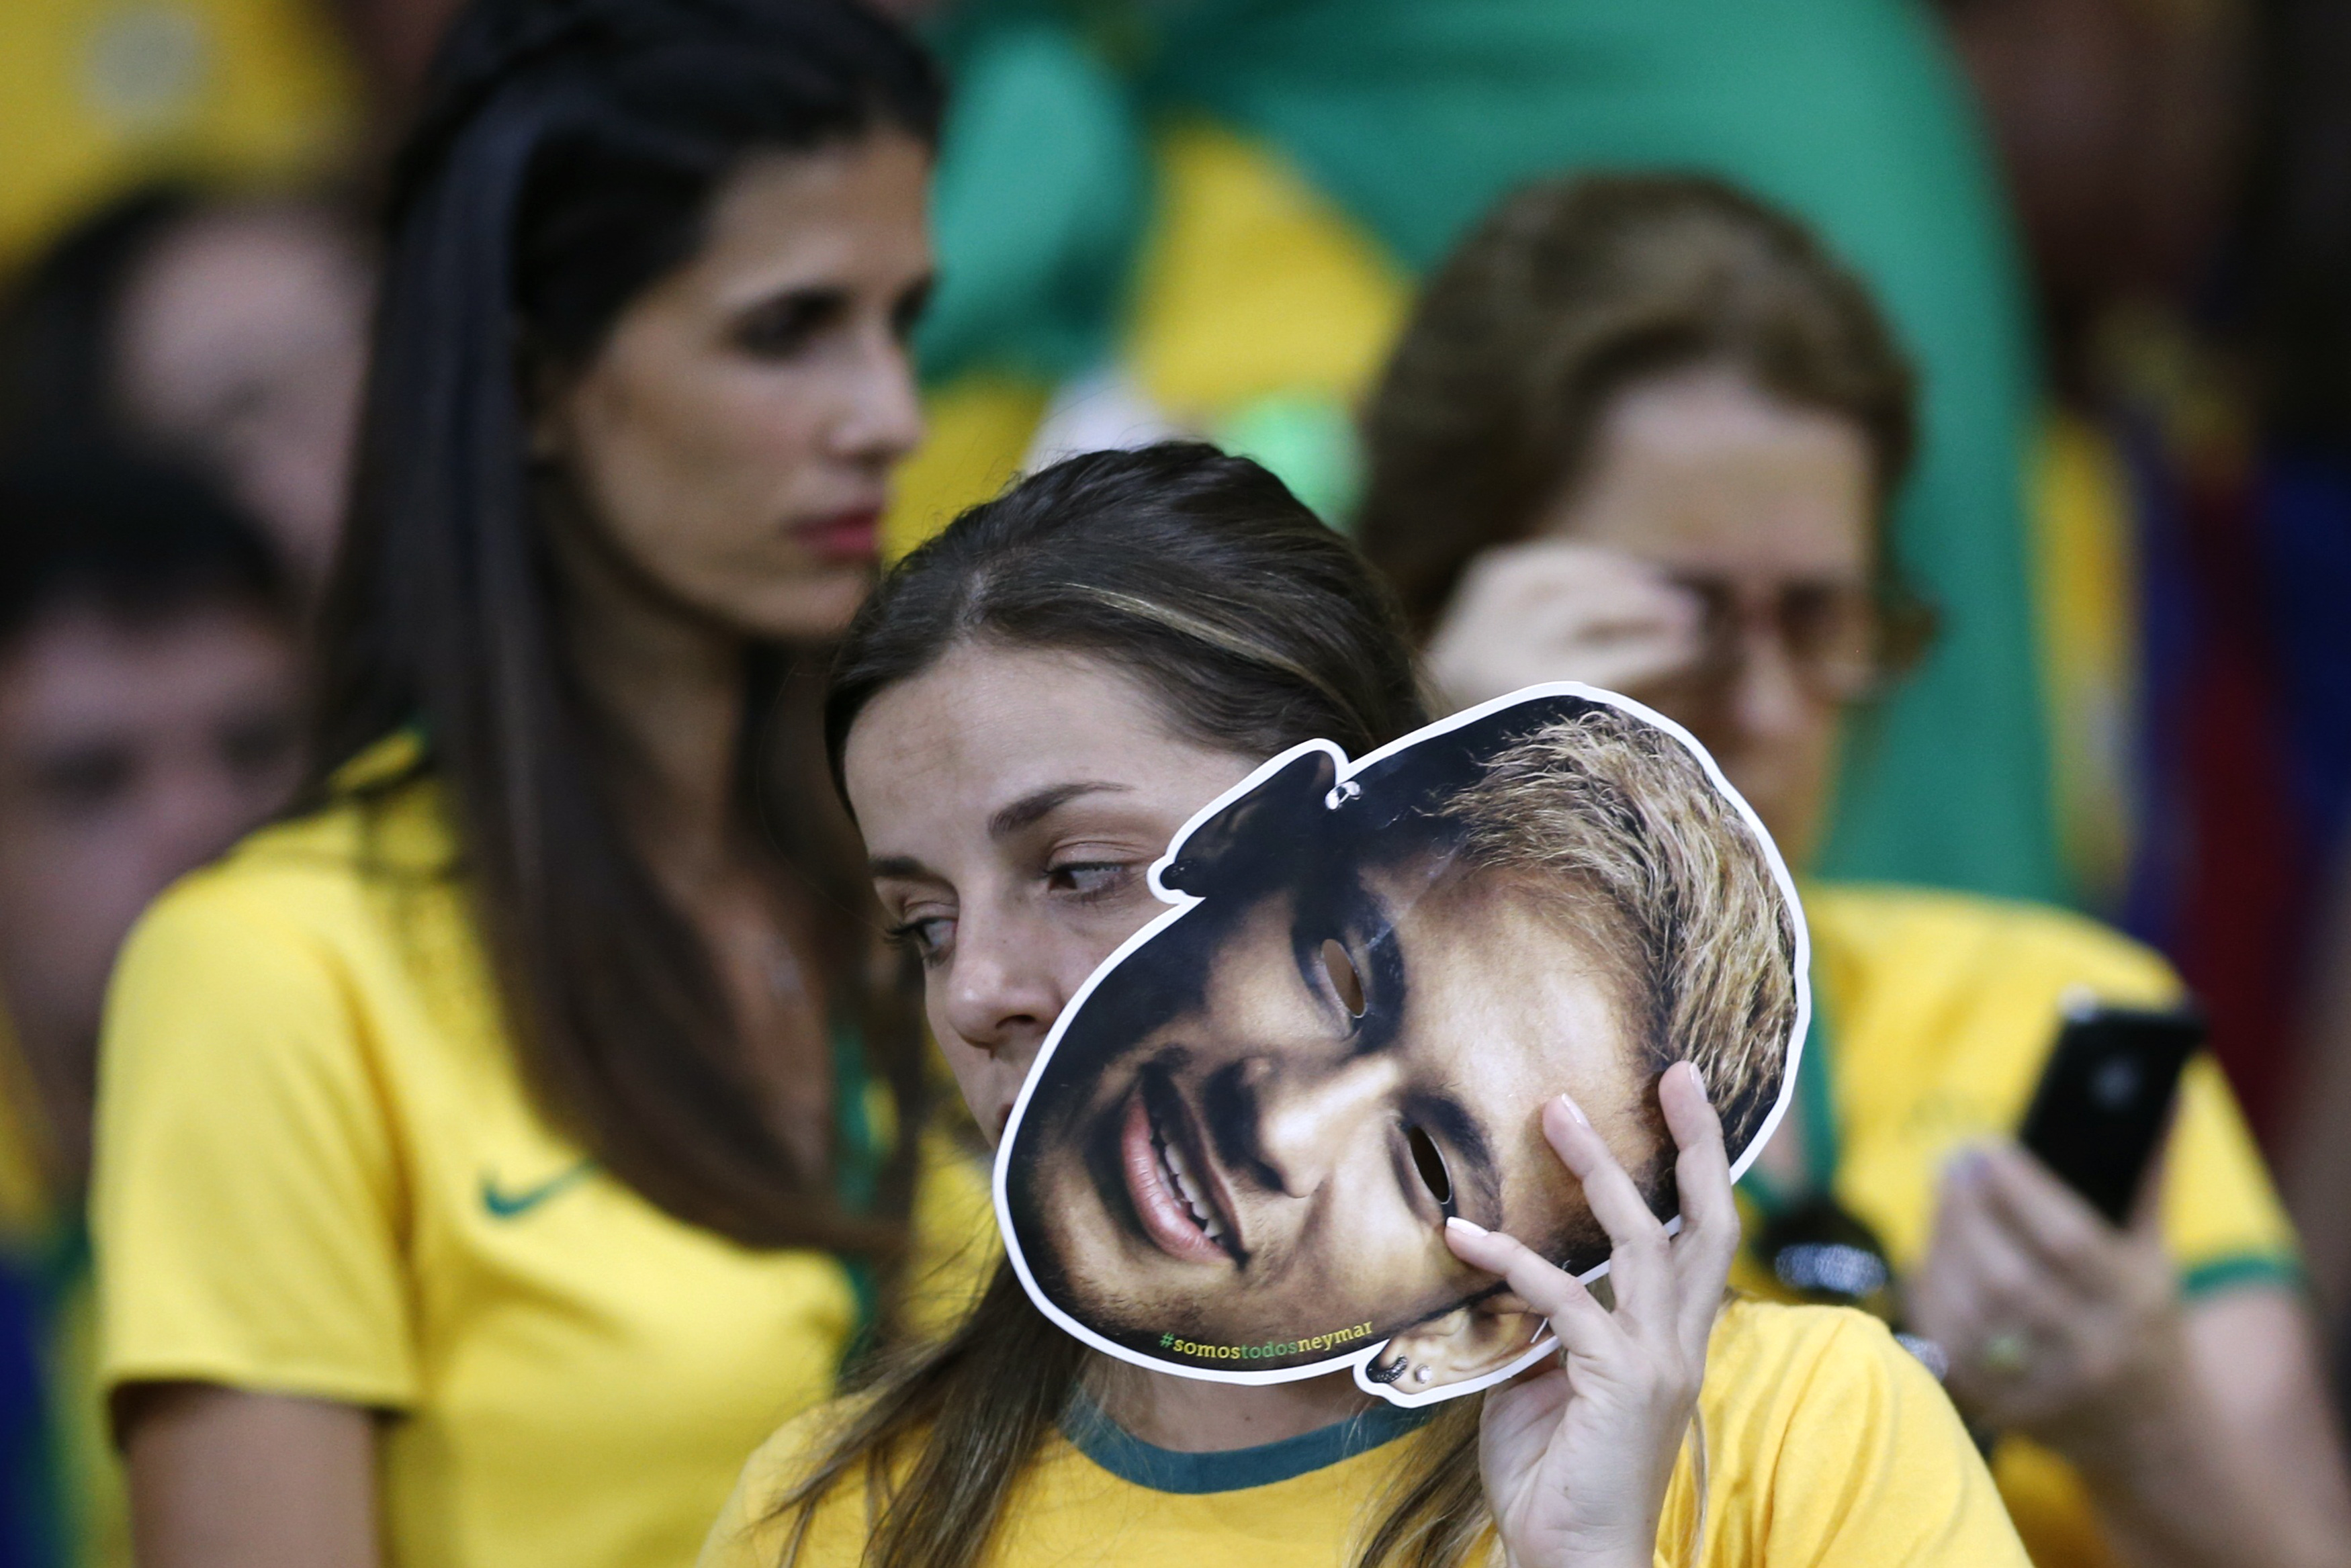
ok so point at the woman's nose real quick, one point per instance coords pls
(883, 421)
(999, 993)
(1309, 1117)
(1768, 700)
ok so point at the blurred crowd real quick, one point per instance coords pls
(2106, 243)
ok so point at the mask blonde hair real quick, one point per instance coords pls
(1618, 810)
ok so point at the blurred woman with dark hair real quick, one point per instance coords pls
(493, 1151)
(225, 331)
(1645, 433)
(149, 715)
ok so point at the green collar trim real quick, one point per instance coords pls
(1138, 1463)
(858, 1169)
(2273, 1271)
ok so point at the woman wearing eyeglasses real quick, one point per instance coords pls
(1645, 432)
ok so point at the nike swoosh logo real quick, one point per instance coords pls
(513, 1205)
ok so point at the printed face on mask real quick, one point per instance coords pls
(1238, 1150)
(1275, 1161)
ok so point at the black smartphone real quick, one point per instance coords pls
(2105, 1098)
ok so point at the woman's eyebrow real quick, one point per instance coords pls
(1002, 822)
(1037, 804)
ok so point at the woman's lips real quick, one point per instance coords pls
(1175, 1192)
(853, 535)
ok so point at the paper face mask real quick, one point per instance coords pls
(1237, 1152)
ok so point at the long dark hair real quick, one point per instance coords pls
(1255, 627)
(564, 161)
(58, 323)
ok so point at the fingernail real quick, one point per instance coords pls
(1968, 1167)
(1458, 1223)
(1697, 1076)
(1576, 1111)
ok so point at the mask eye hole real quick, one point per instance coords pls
(1345, 983)
(1429, 1160)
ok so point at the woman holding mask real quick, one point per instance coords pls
(487, 1156)
(1031, 706)
(1663, 432)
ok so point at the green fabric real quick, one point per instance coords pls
(1309, 440)
(857, 1167)
(1138, 1463)
(2267, 1270)
(1416, 115)
(39, 1273)
(1816, 1122)
(1039, 207)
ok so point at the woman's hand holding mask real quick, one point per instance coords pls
(1576, 1457)
(1552, 610)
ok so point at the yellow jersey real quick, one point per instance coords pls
(1818, 1441)
(1940, 1009)
(320, 1172)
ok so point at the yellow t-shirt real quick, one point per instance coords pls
(1820, 1442)
(320, 1173)
(1941, 1010)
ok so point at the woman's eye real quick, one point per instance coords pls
(1347, 983)
(1088, 879)
(782, 327)
(1429, 1161)
(928, 936)
(908, 313)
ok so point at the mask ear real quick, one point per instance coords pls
(1465, 1343)
(1272, 824)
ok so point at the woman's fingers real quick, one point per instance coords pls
(1980, 1280)
(1702, 1169)
(1580, 1321)
(1657, 1282)
(1640, 1261)
(1592, 614)
(2060, 1226)
(1710, 1229)
(1612, 636)
(1567, 611)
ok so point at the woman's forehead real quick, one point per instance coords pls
(1030, 713)
(990, 739)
